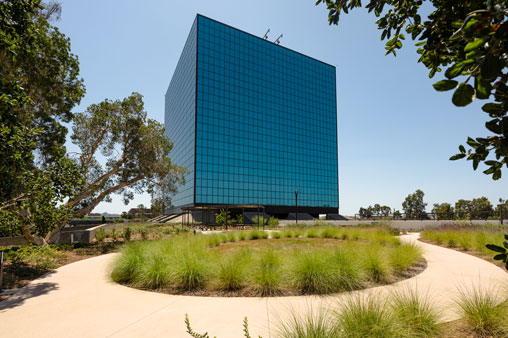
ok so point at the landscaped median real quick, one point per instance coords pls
(295, 261)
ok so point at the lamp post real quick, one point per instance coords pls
(296, 200)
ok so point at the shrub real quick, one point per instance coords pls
(287, 234)
(275, 235)
(312, 233)
(100, 235)
(242, 236)
(273, 222)
(329, 232)
(39, 257)
(127, 233)
(258, 220)
(231, 237)
(214, 240)
(268, 273)
(114, 235)
(144, 234)
(256, 234)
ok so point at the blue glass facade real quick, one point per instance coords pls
(265, 123)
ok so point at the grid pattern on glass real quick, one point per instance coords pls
(266, 122)
(180, 111)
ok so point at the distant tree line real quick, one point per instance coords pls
(414, 208)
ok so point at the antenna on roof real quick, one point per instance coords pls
(266, 34)
(277, 42)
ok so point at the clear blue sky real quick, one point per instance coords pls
(395, 132)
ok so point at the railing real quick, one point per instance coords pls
(450, 216)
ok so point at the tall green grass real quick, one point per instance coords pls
(484, 310)
(314, 324)
(418, 315)
(188, 262)
(268, 274)
(231, 271)
(361, 317)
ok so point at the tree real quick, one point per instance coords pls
(413, 205)
(463, 209)
(223, 217)
(467, 39)
(38, 88)
(481, 208)
(376, 210)
(443, 211)
(136, 152)
(365, 212)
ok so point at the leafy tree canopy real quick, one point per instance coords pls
(135, 151)
(468, 40)
(413, 205)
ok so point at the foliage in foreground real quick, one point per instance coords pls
(406, 313)
(467, 38)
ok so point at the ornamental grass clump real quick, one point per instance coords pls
(276, 235)
(242, 236)
(361, 317)
(190, 266)
(231, 271)
(257, 234)
(312, 233)
(287, 234)
(313, 324)
(128, 264)
(418, 315)
(375, 264)
(268, 274)
(154, 273)
(329, 232)
(312, 273)
(404, 256)
(350, 275)
(483, 310)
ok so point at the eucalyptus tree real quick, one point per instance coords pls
(121, 152)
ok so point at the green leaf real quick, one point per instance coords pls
(497, 175)
(457, 157)
(483, 88)
(500, 257)
(493, 108)
(462, 149)
(491, 67)
(504, 126)
(472, 143)
(475, 44)
(495, 248)
(463, 95)
(494, 126)
(453, 71)
(444, 85)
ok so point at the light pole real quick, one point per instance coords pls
(296, 200)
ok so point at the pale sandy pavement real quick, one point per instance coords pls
(78, 300)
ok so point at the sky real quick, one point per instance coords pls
(395, 132)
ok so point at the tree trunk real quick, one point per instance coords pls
(51, 236)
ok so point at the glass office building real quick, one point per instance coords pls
(252, 121)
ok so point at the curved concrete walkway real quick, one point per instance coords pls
(78, 300)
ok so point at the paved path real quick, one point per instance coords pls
(78, 300)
